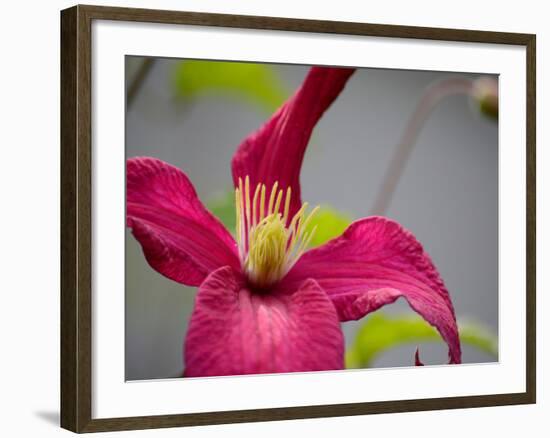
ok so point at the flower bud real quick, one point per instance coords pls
(485, 96)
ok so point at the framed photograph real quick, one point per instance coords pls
(268, 218)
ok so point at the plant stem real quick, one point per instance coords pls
(431, 97)
(138, 80)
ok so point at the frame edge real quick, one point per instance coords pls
(531, 217)
(75, 348)
(69, 376)
(76, 305)
(302, 25)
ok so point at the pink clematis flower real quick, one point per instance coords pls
(265, 302)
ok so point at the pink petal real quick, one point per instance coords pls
(179, 237)
(234, 330)
(373, 263)
(417, 360)
(275, 152)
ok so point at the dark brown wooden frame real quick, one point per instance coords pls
(76, 238)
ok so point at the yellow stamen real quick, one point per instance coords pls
(272, 198)
(254, 203)
(270, 242)
(278, 202)
(287, 204)
(262, 203)
(247, 199)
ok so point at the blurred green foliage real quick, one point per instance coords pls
(223, 207)
(330, 224)
(380, 333)
(257, 83)
(478, 336)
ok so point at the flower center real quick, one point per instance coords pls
(269, 242)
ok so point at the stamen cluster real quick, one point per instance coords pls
(269, 242)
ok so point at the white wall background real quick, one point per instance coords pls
(29, 219)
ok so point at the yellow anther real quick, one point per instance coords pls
(270, 242)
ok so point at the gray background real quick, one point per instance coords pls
(447, 196)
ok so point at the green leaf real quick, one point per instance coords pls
(330, 224)
(476, 335)
(257, 83)
(223, 207)
(380, 333)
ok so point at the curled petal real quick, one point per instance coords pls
(179, 237)
(234, 330)
(275, 152)
(373, 263)
(417, 360)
